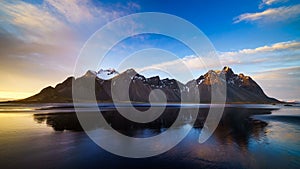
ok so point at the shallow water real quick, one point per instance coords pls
(49, 136)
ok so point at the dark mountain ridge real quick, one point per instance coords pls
(239, 88)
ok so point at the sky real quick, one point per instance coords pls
(41, 40)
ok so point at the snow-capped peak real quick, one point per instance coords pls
(106, 74)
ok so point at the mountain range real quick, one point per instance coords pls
(239, 88)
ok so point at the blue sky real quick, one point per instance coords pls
(41, 39)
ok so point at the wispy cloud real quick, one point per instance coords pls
(270, 2)
(263, 54)
(32, 36)
(67, 8)
(31, 23)
(39, 40)
(282, 83)
(271, 15)
(77, 11)
(289, 45)
(54, 19)
(281, 73)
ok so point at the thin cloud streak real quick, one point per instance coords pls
(289, 45)
(281, 73)
(67, 8)
(82, 11)
(270, 2)
(270, 15)
(280, 83)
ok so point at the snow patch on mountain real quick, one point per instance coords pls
(106, 74)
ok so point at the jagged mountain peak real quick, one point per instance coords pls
(90, 73)
(227, 69)
(225, 75)
(131, 72)
(210, 78)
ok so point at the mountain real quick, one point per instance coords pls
(239, 88)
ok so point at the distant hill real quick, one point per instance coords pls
(240, 88)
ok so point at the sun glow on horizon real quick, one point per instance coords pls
(6, 95)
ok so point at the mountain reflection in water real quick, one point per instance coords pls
(235, 125)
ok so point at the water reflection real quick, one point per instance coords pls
(236, 126)
(59, 121)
